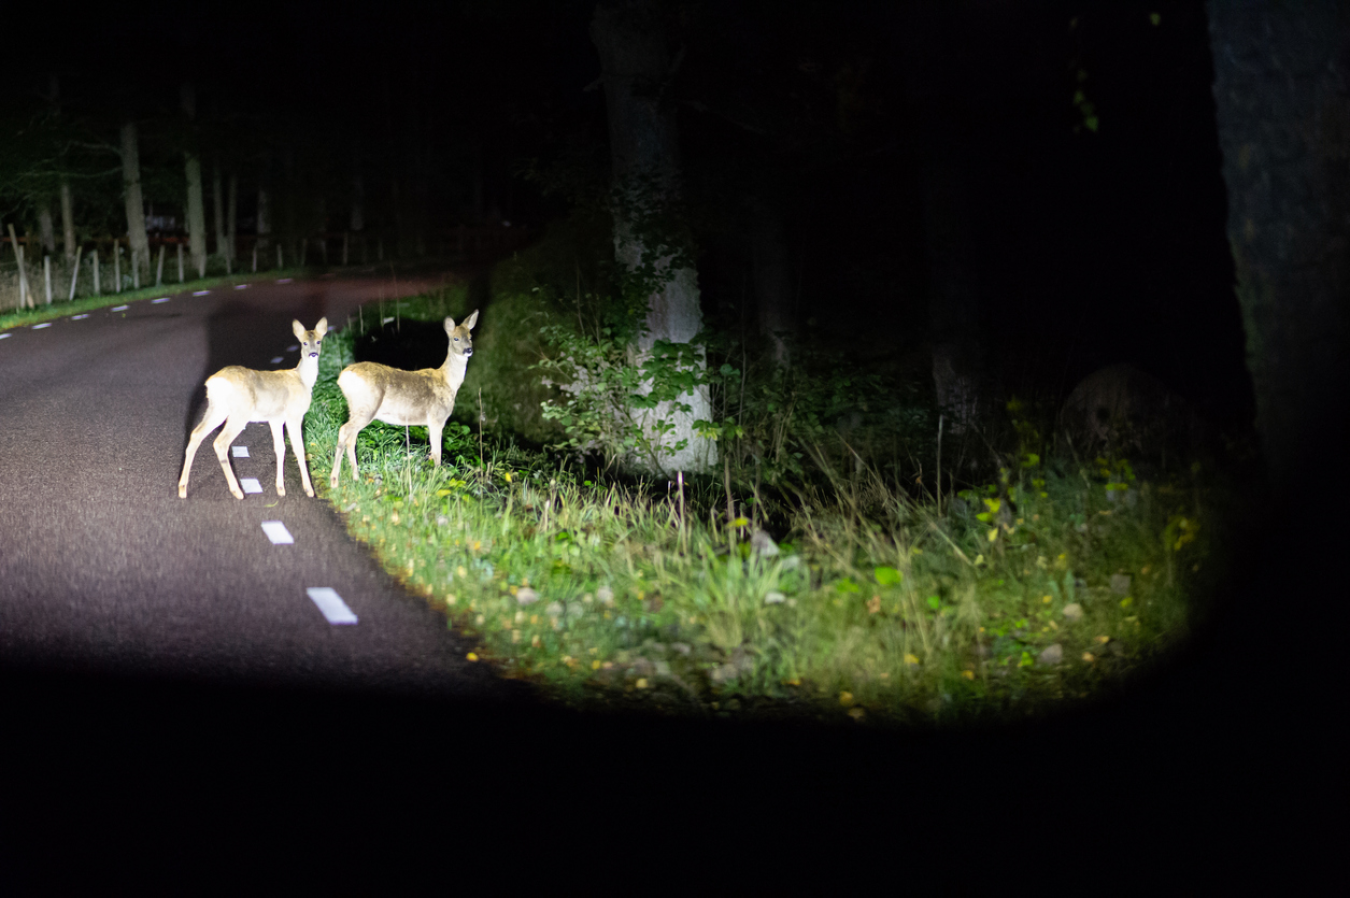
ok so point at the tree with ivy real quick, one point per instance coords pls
(652, 246)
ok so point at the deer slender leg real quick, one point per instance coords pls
(227, 436)
(298, 447)
(213, 418)
(279, 446)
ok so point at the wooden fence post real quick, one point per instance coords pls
(159, 269)
(97, 290)
(47, 275)
(180, 263)
(117, 266)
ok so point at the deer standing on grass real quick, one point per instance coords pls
(426, 398)
(238, 395)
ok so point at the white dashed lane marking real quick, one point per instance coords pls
(201, 292)
(284, 281)
(4, 336)
(276, 360)
(241, 286)
(292, 348)
(239, 451)
(161, 299)
(277, 533)
(331, 605)
(79, 317)
(120, 308)
(250, 484)
(38, 327)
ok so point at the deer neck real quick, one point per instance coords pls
(454, 369)
(308, 369)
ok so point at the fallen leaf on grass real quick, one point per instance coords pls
(471, 656)
(911, 659)
(846, 698)
(874, 604)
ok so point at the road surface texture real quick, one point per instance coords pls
(105, 568)
(177, 717)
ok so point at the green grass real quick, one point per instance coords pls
(1048, 588)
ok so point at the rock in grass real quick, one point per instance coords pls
(1052, 655)
(762, 544)
(526, 596)
(1073, 612)
(774, 598)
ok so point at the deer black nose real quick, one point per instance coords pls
(468, 350)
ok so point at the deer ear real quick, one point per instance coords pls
(449, 325)
(471, 320)
(321, 328)
(299, 330)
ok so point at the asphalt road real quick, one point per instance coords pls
(104, 569)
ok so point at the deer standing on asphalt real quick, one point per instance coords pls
(238, 395)
(426, 398)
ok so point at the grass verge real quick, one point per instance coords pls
(1048, 587)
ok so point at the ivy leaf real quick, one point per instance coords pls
(888, 576)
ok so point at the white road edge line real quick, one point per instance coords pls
(201, 292)
(239, 451)
(120, 308)
(331, 605)
(38, 327)
(161, 299)
(277, 360)
(277, 533)
(250, 484)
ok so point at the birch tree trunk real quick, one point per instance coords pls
(231, 216)
(1283, 109)
(264, 223)
(629, 36)
(46, 227)
(135, 203)
(953, 301)
(776, 316)
(67, 221)
(218, 210)
(196, 208)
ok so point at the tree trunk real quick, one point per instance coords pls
(218, 210)
(135, 204)
(46, 226)
(645, 171)
(953, 302)
(231, 216)
(772, 272)
(264, 222)
(67, 221)
(196, 208)
(1283, 110)
(358, 217)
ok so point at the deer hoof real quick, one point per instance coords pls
(182, 491)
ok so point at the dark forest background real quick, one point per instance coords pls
(1043, 178)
